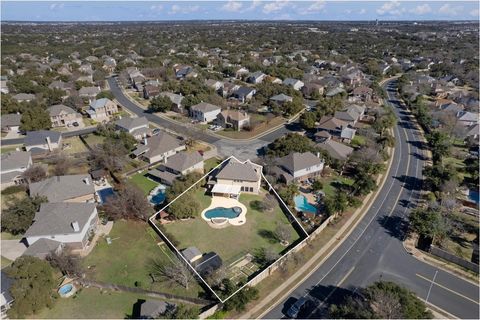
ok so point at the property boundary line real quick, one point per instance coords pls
(152, 223)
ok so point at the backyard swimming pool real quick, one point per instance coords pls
(221, 212)
(474, 196)
(104, 194)
(157, 195)
(301, 204)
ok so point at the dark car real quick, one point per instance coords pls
(75, 124)
(296, 307)
(155, 132)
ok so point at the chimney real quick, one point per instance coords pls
(75, 226)
(49, 144)
(165, 159)
(86, 181)
(318, 154)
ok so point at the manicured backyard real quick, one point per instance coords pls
(232, 242)
(127, 259)
(143, 182)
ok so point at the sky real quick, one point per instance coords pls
(237, 9)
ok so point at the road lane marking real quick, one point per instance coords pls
(448, 289)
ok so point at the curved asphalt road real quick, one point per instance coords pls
(374, 249)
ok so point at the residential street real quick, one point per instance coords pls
(374, 250)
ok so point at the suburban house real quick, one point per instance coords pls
(69, 188)
(63, 116)
(177, 165)
(236, 119)
(150, 91)
(281, 98)
(294, 83)
(336, 128)
(11, 122)
(351, 115)
(336, 150)
(44, 247)
(243, 94)
(71, 224)
(153, 309)
(102, 109)
(89, 92)
(228, 89)
(185, 72)
(214, 84)
(467, 119)
(13, 165)
(235, 177)
(158, 148)
(256, 77)
(204, 112)
(299, 166)
(59, 84)
(312, 88)
(176, 101)
(42, 141)
(362, 92)
(137, 127)
(24, 97)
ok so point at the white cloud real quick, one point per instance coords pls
(315, 7)
(450, 10)
(274, 6)
(54, 6)
(156, 7)
(232, 6)
(362, 11)
(392, 8)
(182, 9)
(421, 9)
(475, 13)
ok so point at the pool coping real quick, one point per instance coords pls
(223, 202)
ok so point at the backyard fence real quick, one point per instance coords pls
(453, 258)
(162, 295)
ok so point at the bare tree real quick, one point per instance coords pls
(110, 156)
(386, 305)
(68, 264)
(283, 233)
(129, 203)
(61, 165)
(176, 272)
(34, 174)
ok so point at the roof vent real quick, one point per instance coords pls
(75, 226)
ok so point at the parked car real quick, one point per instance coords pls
(296, 307)
(155, 131)
(75, 124)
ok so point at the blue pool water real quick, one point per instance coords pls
(157, 195)
(221, 212)
(104, 194)
(301, 204)
(65, 289)
(474, 196)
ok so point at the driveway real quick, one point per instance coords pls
(12, 249)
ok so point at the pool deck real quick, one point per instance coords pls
(226, 203)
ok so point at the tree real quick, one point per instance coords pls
(287, 193)
(317, 185)
(34, 174)
(74, 102)
(36, 118)
(105, 94)
(33, 286)
(68, 264)
(308, 119)
(427, 222)
(292, 142)
(110, 156)
(19, 217)
(187, 208)
(181, 311)
(128, 203)
(241, 299)
(176, 272)
(439, 144)
(54, 96)
(283, 233)
(61, 165)
(160, 104)
(336, 204)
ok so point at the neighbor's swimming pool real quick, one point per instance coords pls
(301, 204)
(474, 196)
(157, 195)
(104, 194)
(221, 212)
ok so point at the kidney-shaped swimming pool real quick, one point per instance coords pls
(221, 212)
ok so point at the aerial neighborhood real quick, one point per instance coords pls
(195, 167)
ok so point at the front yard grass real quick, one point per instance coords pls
(93, 303)
(262, 127)
(232, 242)
(141, 181)
(127, 259)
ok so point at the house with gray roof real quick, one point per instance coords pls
(42, 141)
(44, 247)
(243, 94)
(256, 77)
(204, 112)
(69, 188)
(102, 109)
(177, 165)
(158, 148)
(137, 127)
(153, 309)
(176, 101)
(299, 166)
(336, 150)
(13, 165)
(63, 116)
(11, 122)
(235, 177)
(24, 97)
(294, 83)
(89, 92)
(68, 223)
(281, 98)
(351, 115)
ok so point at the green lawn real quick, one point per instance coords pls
(233, 241)
(143, 182)
(128, 258)
(211, 163)
(92, 303)
(5, 262)
(8, 236)
(93, 139)
(358, 140)
(329, 183)
(10, 148)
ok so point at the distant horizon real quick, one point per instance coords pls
(228, 20)
(238, 10)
